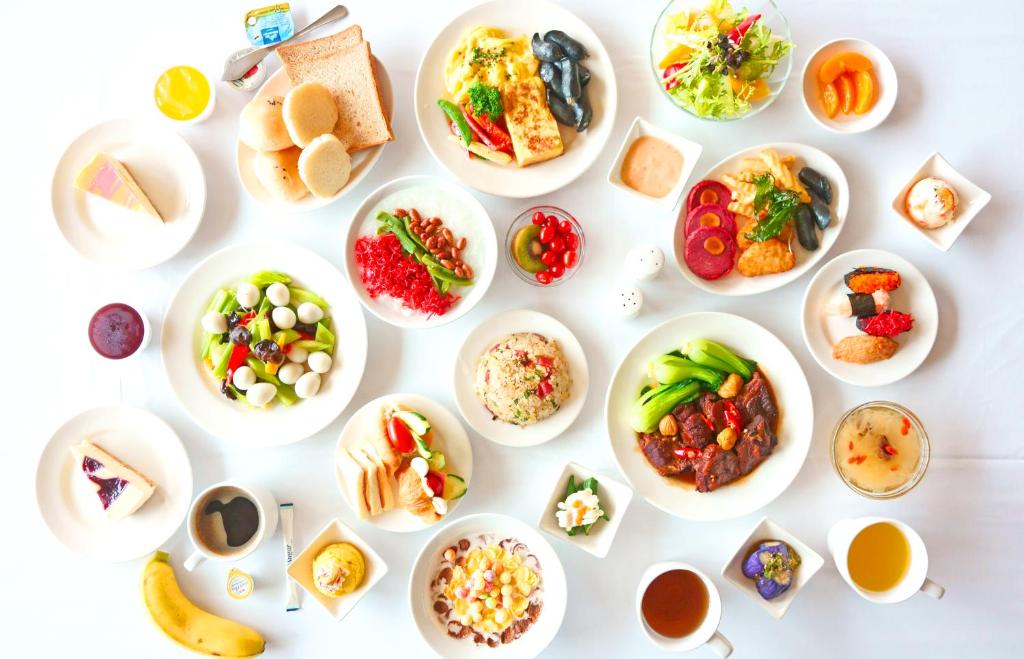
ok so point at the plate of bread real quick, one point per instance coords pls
(539, 134)
(317, 125)
(403, 462)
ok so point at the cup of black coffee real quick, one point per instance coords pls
(228, 521)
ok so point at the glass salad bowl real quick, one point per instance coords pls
(523, 248)
(722, 106)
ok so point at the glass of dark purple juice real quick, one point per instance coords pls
(117, 331)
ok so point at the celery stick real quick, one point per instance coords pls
(300, 295)
(221, 369)
(324, 335)
(284, 337)
(260, 369)
(218, 300)
(311, 346)
(286, 394)
(265, 278)
(208, 342)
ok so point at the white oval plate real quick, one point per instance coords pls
(199, 392)
(164, 166)
(517, 17)
(453, 442)
(772, 476)
(736, 284)
(69, 504)
(885, 96)
(480, 339)
(914, 296)
(363, 161)
(475, 225)
(531, 643)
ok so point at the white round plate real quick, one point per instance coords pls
(914, 296)
(885, 95)
(362, 161)
(163, 165)
(516, 17)
(736, 284)
(432, 197)
(68, 501)
(199, 392)
(788, 383)
(480, 339)
(535, 639)
(454, 443)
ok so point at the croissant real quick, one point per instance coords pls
(412, 497)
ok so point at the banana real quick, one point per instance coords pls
(186, 623)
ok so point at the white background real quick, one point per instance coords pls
(70, 65)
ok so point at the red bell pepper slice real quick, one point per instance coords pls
(498, 135)
(738, 32)
(238, 354)
(478, 131)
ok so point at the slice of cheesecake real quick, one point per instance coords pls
(121, 489)
(108, 178)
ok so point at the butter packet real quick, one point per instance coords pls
(240, 584)
(269, 25)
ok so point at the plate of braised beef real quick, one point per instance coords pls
(709, 416)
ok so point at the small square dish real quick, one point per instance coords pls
(970, 200)
(613, 497)
(301, 568)
(767, 530)
(641, 128)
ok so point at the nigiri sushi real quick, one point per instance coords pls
(858, 304)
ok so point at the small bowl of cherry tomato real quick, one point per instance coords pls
(545, 246)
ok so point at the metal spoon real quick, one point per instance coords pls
(238, 63)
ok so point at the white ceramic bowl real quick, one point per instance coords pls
(198, 390)
(821, 331)
(691, 154)
(535, 639)
(451, 440)
(972, 200)
(770, 478)
(167, 170)
(614, 497)
(475, 225)
(516, 17)
(362, 161)
(301, 569)
(486, 334)
(736, 284)
(68, 501)
(766, 529)
(885, 95)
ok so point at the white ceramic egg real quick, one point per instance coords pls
(319, 362)
(310, 313)
(626, 302)
(247, 295)
(278, 294)
(214, 322)
(644, 262)
(307, 385)
(260, 394)
(298, 355)
(290, 373)
(283, 317)
(243, 378)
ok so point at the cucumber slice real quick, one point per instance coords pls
(454, 487)
(417, 423)
(437, 461)
(422, 448)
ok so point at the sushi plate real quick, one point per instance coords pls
(821, 331)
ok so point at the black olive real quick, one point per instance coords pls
(816, 184)
(268, 351)
(806, 232)
(584, 74)
(571, 87)
(574, 49)
(822, 214)
(305, 328)
(226, 390)
(583, 113)
(561, 110)
(548, 73)
(546, 51)
(233, 319)
(240, 335)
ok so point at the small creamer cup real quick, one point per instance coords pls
(266, 506)
(841, 535)
(706, 634)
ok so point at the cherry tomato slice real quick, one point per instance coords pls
(538, 218)
(400, 436)
(435, 481)
(569, 259)
(543, 277)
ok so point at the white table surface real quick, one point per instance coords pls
(960, 93)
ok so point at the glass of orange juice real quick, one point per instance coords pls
(184, 94)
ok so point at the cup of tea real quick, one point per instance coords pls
(228, 521)
(883, 559)
(679, 608)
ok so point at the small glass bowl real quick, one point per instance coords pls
(770, 14)
(525, 218)
(922, 462)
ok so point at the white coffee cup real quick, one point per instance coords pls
(841, 536)
(266, 507)
(706, 634)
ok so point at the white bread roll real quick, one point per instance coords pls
(309, 111)
(325, 166)
(261, 126)
(278, 171)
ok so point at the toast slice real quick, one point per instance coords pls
(354, 477)
(534, 132)
(314, 48)
(374, 498)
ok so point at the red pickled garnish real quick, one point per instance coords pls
(906, 426)
(851, 445)
(386, 270)
(890, 449)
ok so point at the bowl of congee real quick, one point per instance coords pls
(880, 450)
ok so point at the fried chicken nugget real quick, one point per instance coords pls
(864, 349)
(767, 258)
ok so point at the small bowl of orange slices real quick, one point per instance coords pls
(849, 86)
